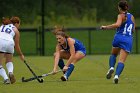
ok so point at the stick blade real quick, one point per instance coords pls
(23, 79)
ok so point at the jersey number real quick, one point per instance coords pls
(128, 29)
(7, 30)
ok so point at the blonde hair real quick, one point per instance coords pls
(58, 30)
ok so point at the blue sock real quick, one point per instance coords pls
(112, 60)
(69, 71)
(61, 63)
(119, 68)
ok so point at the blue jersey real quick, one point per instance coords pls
(127, 27)
(78, 46)
(123, 38)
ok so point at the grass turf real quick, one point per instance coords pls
(88, 77)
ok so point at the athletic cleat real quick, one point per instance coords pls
(116, 79)
(7, 81)
(109, 73)
(64, 78)
(12, 78)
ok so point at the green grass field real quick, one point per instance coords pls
(88, 77)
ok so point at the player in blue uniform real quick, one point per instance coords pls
(67, 48)
(123, 39)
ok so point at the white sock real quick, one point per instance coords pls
(3, 73)
(10, 67)
(112, 68)
(116, 76)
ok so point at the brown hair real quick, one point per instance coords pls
(123, 5)
(58, 30)
(15, 20)
(5, 21)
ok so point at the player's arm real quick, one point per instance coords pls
(72, 51)
(115, 25)
(17, 46)
(57, 56)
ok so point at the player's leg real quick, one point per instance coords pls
(10, 67)
(2, 70)
(63, 55)
(78, 56)
(112, 62)
(120, 66)
(68, 72)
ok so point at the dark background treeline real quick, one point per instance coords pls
(97, 10)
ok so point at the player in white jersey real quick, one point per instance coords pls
(9, 39)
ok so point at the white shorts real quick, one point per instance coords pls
(7, 46)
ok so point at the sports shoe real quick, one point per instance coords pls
(109, 73)
(64, 78)
(12, 78)
(116, 79)
(7, 81)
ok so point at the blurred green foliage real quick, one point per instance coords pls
(87, 12)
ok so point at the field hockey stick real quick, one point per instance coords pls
(35, 76)
(41, 76)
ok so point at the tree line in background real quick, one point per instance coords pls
(97, 10)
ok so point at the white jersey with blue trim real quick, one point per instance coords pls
(7, 32)
(127, 27)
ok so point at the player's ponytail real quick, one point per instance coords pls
(123, 5)
(58, 30)
(5, 21)
(15, 20)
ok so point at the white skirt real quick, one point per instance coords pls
(7, 46)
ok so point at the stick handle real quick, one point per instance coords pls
(35, 76)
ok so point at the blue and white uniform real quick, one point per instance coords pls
(6, 38)
(123, 38)
(79, 47)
